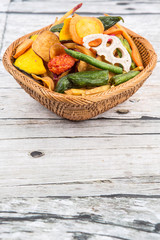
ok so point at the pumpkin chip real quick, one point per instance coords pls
(42, 44)
(30, 62)
(64, 33)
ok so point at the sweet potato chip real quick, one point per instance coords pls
(23, 47)
(84, 92)
(97, 90)
(42, 44)
(63, 74)
(82, 66)
(47, 81)
(83, 26)
(74, 91)
(56, 49)
(47, 74)
(70, 45)
(85, 51)
(52, 52)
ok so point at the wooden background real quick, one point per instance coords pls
(92, 180)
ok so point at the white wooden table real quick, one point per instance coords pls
(92, 180)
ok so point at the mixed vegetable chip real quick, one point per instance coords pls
(80, 55)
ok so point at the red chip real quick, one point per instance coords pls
(61, 63)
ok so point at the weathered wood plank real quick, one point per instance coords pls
(3, 20)
(111, 7)
(4, 4)
(77, 159)
(7, 81)
(80, 218)
(63, 180)
(26, 129)
(125, 187)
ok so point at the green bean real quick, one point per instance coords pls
(119, 52)
(127, 46)
(94, 62)
(121, 78)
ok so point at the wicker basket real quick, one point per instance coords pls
(77, 107)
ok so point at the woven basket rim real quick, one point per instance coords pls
(7, 61)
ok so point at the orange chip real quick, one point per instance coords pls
(24, 46)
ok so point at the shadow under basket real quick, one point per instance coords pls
(79, 108)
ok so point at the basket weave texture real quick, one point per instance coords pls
(78, 108)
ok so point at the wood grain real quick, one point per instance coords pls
(116, 156)
(144, 187)
(4, 5)
(27, 128)
(80, 218)
(111, 7)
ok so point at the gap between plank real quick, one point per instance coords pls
(82, 13)
(109, 135)
(5, 25)
(92, 119)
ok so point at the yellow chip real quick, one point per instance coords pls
(34, 37)
(76, 92)
(30, 63)
(97, 90)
